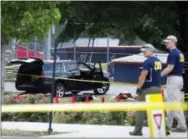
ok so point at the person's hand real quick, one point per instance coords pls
(138, 91)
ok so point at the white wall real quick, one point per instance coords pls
(97, 42)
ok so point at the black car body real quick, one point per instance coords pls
(35, 76)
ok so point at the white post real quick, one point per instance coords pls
(108, 43)
(27, 50)
(107, 55)
(13, 48)
(2, 71)
(74, 42)
(47, 46)
(35, 54)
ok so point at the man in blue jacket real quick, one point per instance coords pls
(149, 82)
(174, 73)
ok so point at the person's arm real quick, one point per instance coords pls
(167, 70)
(142, 78)
(170, 65)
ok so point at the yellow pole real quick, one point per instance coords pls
(156, 117)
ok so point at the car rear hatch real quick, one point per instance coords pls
(25, 60)
(31, 68)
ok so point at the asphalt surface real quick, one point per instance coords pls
(113, 91)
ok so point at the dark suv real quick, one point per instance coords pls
(35, 76)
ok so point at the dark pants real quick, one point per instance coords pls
(141, 115)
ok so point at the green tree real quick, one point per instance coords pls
(150, 21)
(24, 20)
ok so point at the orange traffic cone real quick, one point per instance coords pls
(73, 99)
(102, 100)
(87, 99)
(56, 98)
(18, 97)
(117, 98)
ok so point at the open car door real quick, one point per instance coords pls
(26, 62)
(29, 75)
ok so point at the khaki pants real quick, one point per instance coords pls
(141, 115)
(174, 94)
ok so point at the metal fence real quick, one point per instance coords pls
(84, 56)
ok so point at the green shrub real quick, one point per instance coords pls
(109, 118)
(103, 118)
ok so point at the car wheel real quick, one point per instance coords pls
(102, 90)
(60, 89)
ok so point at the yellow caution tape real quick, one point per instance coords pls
(91, 107)
(81, 80)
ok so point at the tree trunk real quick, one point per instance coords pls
(2, 71)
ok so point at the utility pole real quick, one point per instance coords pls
(47, 46)
(1, 83)
(107, 55)
(53, 83)
(35, 45)
(74, 43)
(27, 53)
(13, 48)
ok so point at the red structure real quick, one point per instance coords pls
(22, 52)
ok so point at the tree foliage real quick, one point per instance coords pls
(151, 21)
(27, 19)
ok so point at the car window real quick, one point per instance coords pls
(71, 66)
(83, 66)
(48, 67)
(58, 67)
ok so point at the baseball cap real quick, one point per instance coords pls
(148, 47)
(170, 38)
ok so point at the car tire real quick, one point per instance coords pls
(103, 90)
(60, 89)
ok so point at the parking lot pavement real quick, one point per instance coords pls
(113, 91)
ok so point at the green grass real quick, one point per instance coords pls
(6, 132)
